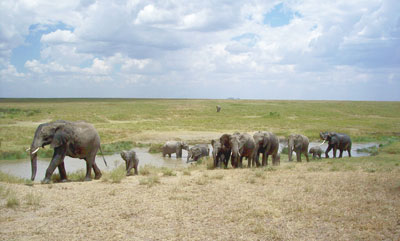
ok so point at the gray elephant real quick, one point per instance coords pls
(174, 147)
(299, 144)
(218, 108)
(217, 153)
(131, 161)
(316, 151)
(240, 146)
(198, 151)
(267, 144)
(336, 141)
(74, 139)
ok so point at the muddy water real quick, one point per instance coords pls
(22, 168)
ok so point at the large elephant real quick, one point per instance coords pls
(298, 144)
(336, 141)
(174, 147)
(267, 144)
(217, 153)
(131, 161)
(198, 151)
(240, 146)
(74, 139)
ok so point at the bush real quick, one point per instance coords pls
(155, 148)
(115, 147)
(168, 172)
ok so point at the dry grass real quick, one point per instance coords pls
(295, 201)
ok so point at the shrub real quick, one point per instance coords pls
(155, 148)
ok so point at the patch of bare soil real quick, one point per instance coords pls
(245, 204)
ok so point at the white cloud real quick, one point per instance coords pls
(202, 44)
(59, 36)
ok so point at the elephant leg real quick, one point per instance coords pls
(334, 151)
(298, 156)
(89, 166)
(63, 173)
(130, 166)
(349, 151)
(306, 154)
(340, 153)
(97, 172)
(265, 159)
(169, 155)
(257, 159)
(58, 158)
(327, 151)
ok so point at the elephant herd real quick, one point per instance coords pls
(81, 140)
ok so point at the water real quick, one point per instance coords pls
(22, 168)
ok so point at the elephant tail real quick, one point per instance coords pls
(103, 156)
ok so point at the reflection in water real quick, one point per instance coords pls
(22, 168)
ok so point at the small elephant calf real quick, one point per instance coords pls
(316, 151)
(131, 161)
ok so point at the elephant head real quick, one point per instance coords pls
(46, 134)
(331, 137)
(261, 140)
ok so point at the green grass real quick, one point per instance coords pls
(120, 122)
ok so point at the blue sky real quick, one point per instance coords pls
(329, 50)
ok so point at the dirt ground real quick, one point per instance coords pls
(292, 202)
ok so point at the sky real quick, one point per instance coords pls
(250, 49)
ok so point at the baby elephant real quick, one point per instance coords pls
(316, 151)
(131, 161)
(198, 151)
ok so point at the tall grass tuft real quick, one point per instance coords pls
(115, 176)
(150, 180)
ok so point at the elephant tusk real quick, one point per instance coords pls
(322, 143)
(28, 149)
(37, 149)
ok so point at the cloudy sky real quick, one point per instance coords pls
(297, 49)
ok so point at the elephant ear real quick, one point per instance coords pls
(265, 141)
(59, 139)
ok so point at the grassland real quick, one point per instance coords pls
(123, 123)
(327, 199)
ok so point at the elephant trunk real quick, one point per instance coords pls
(33, 155)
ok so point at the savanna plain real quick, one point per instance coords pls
(354, 198)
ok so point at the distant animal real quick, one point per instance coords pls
(198, 151)
(316, 151)
(218, 108)
(131, 161)
(299, 144)
(174, 147)
(336, 141)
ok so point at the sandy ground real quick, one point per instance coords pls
(289, 203)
